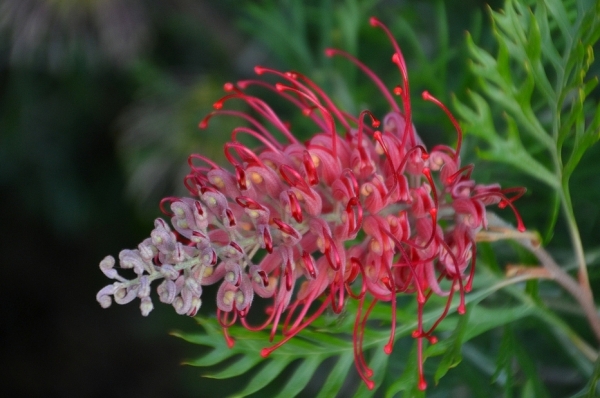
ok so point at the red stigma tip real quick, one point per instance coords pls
(461, 309)
(373, 21)
(396, 59)
(469, 286)
(388, 348)
(426, 96)
(218, 105)
(370, 384)
(398, 90)
(279, 86)
(228, 86)
(203, 124)
(259, 70)
(422, 384)
(376, 123)
(329, 52)
(265, 352)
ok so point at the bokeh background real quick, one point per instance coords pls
(99, 106)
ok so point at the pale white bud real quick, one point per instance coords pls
(106, 266)
(146, 306)
(103, 296)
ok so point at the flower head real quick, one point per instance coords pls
(361, 206)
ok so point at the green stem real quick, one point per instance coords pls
(579, 292)
(584, 281)
(582, 296)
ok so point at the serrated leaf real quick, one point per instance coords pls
(314, 345)
(511, 150)
(551, 41)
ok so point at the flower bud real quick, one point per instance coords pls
(167, 291)
(147, 249)
(106, 266)
(103, 296)
(146, 306)
(132, 259)
(125, 295)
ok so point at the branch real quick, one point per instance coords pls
(499, 230)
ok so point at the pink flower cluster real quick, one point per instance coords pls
(361, 211)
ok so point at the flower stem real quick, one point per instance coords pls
(583, 296)
(499, 230)
(584, 281)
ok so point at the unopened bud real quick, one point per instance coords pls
(146, 306)
(106, 266)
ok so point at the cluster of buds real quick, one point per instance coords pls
(366, 215)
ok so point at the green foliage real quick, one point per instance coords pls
(301, 360)
(538, 81)
(297, 35)
(308, 352)
(592, 388)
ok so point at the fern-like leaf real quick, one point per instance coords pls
(539, 80)
(300, 362)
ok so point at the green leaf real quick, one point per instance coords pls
(409, 380)
(265, 375)
(511, 150)
(300, 378)
(539, 70)
(533, 387)
(453, 355)
(241, 366)
(337, 377)
(592, 389)
(216, 356)
(503, 372)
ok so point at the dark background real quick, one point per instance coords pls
(64, 92)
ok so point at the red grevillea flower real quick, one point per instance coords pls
(361, 211)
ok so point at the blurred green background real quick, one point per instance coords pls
(99, 106)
